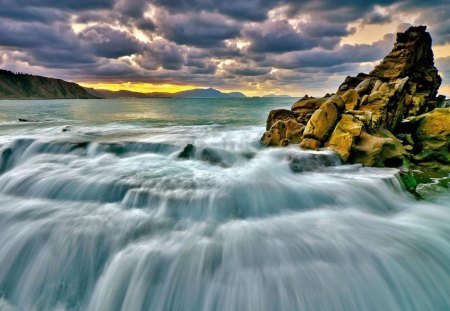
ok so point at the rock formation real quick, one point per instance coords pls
(25, 86)
(378, 119)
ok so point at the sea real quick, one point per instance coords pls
(103, 207)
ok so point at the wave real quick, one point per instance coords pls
(102, 222)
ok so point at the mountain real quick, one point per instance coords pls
(126, 94)
(195, 93)
(25, 86)
(207, 93)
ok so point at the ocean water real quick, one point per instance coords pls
(99, 212)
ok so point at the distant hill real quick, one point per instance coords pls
(126, 94)
(208, 93)
(195, 93)
(25, 86)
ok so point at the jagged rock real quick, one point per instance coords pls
(404, 84)
(343, 136)
(380, 149)
(308, 105)
(324, 119)
(278, 114)
(353, 83)
(386, 104)
(363, 116)
(432, 136)
(310, 143)
(365, 87)
(283, 133)
(351, 99)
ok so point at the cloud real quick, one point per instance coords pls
(319, 58)
(377, 18)
(284, 44)
(277, 36)
(203, 30)
(164, 54)
(108, 42)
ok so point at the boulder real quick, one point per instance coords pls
(380, 149)
(278, 114)
(365, 87)
(351, 99)
(432, 136)
(283, 133)
(307, 105)
(343, 136)
(310, 144)
(324, 119)
(188, 152)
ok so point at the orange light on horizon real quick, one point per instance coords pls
(138, 87)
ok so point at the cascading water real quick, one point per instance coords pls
(109, 217)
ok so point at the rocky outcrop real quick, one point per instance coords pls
(364, 122)
(430, 135)
(25, 86)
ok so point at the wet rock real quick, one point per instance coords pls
(24, 120)
(343, 136)
(403, 85)
(277, 115)
(309, 162)
(188, 152)
(380, 149)
(308, 105)
(217, 157)
(310, 144)
(283, 133)
(432, 136)
(324, 119)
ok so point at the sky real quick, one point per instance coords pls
(257, 47)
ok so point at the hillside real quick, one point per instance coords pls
(195, 93)
(25, 86)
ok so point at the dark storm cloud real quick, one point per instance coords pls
(204, 30)
(61, 4)
(108, 42)
(161, 53)
(377, 18)
(319, 58)
(277, 36)
(30, 14)
(31, 35)
(247, 70)
(230, 43)
(249, 10)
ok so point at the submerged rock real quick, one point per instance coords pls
(363, 120)
(188, 152)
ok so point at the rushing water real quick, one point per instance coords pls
(98, 212)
